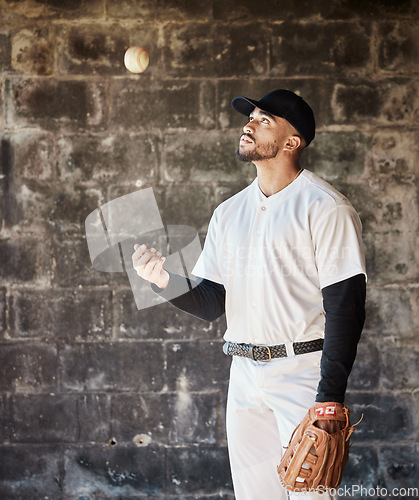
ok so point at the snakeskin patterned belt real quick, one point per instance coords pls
(266, 353)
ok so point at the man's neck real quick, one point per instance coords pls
(274, 176)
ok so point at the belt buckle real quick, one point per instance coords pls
(262, 360)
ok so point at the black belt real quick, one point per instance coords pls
(266, 353)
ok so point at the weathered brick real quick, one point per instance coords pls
(23, 261)
(5, 52)
(203, 158)
(13, 10)
(30, 471)
(381, 8)
(28, 367)
(204, 469)
(362, 467)
(392, 312)
(303, 48)
(24, 162)
(109, 158)
(8, 200)
(394, 155)
(88, 49)
(26, 205)
(201, 49)
(33, 51)
(340, 9)
(398, 46)
(161, 105)
(114, 470)
(387, 205)
(399, 466)
(51, 104)
(382, 411)
(73, 266)
(367, 370)
(384, 102)
(163, 10)
(2, 109)
(4, 420)
(229, 10)
(337, 155)
(3, 308)
(62, 314)
(94, 417)
(160, 322)
(196, 365)
(69, 207)
(191, 205)
(183, 417)
(357, 102)
(58, 418)
(391, 257)
(403, 374)
(123, 366)
(32, 154)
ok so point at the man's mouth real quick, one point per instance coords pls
(245, 139)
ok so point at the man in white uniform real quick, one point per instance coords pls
(284, 260)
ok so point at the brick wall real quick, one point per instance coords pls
(100, 400)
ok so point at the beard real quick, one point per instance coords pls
(258, 153)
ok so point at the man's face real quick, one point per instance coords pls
(263, 137)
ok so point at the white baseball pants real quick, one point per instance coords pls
(266, 401)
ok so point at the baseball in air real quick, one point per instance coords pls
(136, 59)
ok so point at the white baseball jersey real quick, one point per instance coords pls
(274, 255)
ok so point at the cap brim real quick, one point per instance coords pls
(244, 105)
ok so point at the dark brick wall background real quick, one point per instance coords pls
(99, 400)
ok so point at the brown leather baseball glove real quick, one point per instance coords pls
(315, 459)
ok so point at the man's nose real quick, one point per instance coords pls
(248, 129)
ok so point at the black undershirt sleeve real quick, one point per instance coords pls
(344, 306)
(204, 299)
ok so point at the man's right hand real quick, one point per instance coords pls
(148, 263)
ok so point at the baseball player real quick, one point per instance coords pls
(284, 259)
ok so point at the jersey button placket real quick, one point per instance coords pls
(255, 267)
(256, 301)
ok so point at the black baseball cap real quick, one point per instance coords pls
(285, 104)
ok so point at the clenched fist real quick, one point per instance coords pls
(148, 263)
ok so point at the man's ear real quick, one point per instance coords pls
(293, 143)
